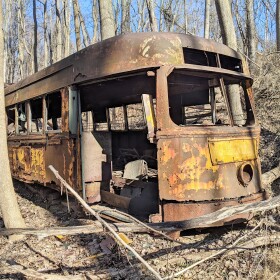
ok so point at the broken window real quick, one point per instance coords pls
(101, 120)
(11, 120)
(118, 118)
(195, 100)
(22, 118)
(54, 108)
(199, 57)
(135, 117)
(87, 121)
(36, 108)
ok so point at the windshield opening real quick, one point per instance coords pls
(201, 100)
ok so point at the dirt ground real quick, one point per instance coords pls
(86, 255)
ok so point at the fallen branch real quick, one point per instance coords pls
(103, 222)
(6, 268)
(270, 176)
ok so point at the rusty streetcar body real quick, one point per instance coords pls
(143, 122)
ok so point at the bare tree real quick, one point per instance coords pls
(66, 27)
(141, 13)
(251, 32)
(229, 38)
(278, 24)
(46, 51)
(185, 16)
(58, 24)
(95, 15)
(77, 24)
(107, 22)
(207, 19)
(151, 11)
(226, 23)
(125, 27)
(35, 40)
(10, 41)
(20, 38)
(86, 38)
(8, 202)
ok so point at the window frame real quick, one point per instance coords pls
(45, 108)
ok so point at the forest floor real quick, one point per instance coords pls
(95, 256)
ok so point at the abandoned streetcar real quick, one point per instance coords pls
(145, 122)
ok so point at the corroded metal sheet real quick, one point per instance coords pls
(186, 211)
(63, 158)
(96, 156)
(120, 54)
(27, 163)
(186, 172)
(232, 150)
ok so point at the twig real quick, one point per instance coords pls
(103, 222)
(256, 242)
(7, 268)
(250, 59)
(213, 255)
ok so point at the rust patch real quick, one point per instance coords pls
(181, 212)
(167, 152)
(65, 110)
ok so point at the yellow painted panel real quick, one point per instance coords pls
(232, 150)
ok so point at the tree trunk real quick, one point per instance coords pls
(46, 51)
(24, 62)
(86, 39)
(229, 38)
(35, 43)
(186, 16)
(8, 202)
(107, 23)
(226, 23)
(95, 21)
(67, 21)
(125, 16)
(20, 39)
(59, 55)
(77, 24)
(251, 32)
(278, 24)
(207, 19)
(151, 11)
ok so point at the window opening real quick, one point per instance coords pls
(230, 63)
(22, 118)
(204, 101)
(11, 120)
(199, 57)
(118, 118)
(101, 120)
(36, 107)
(87, 121)
(135, 117)
(54, 108)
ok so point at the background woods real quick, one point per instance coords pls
(40, 32)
